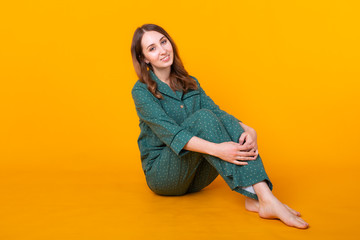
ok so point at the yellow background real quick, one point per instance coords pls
(69, 162)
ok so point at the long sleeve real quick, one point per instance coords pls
(164, 127)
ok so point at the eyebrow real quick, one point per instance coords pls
(153, 43)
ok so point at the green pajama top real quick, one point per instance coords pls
(160, 119)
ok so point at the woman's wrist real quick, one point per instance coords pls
(197, 144)
(246, 128)
(213, 150)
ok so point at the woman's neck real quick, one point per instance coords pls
(163, 74)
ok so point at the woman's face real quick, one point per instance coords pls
(157, 50)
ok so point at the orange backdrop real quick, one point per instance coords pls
(69, 162)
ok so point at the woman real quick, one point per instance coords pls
(186, 140)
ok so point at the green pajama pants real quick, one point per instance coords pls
(171, 174)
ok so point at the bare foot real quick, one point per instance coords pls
(292, 210)
(252, 205)
(274, 209)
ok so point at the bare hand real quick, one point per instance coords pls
(235, 153)
(249, 138)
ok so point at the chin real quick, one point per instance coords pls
(170, 63)
(165, 65)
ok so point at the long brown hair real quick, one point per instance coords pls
(179, 77)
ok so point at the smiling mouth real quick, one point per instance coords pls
(165, 58)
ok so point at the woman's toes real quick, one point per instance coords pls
(294, 221)
(302, 224)
(293, 211)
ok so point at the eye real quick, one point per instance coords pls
(164, 41)
(151, 49)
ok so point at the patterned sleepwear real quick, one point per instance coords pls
(168, 124)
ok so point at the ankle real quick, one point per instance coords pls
(263, 192)
(267, 199)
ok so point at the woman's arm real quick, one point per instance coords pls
(228, 151)
(245, 127)
(152, 113)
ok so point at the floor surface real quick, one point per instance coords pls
(108, 203)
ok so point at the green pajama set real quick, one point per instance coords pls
(168, 124)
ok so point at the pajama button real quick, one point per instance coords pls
(182, 106)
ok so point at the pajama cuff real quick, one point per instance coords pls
(237, 119)
(179, 141)
(250, 194)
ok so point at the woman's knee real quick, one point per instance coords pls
(206, 113)
(205, 117)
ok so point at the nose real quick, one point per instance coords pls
(162, 50)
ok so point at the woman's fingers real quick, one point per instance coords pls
(245, 147)
(246, 156)
(247, 152)
(241, 160)
(238, 154)
(239, 163)
(242, 138)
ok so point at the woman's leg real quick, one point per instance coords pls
(270, 207)
(205, 174)
(249, 180)
(205, 124)
(171, 175)
(174, 175)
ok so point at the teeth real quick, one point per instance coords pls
(165, 58)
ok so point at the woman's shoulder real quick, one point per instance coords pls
(139, 84)
(139, 87)
(140, 92)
